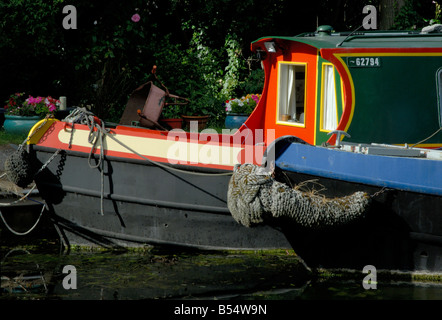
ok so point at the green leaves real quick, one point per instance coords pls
(201, 48)
(411, 15)
(30, 26)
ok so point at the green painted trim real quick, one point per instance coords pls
(370, 39)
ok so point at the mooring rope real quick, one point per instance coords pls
(30, 229)
(93, 138)
(20, 171)
(428, 138)
(22, 197)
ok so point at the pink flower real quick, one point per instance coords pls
(136, 17)
(30, 100)
(34, 101)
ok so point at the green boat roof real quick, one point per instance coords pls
(366, 39)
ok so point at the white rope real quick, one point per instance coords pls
(93, 138)
(19, 200)
(83, 116)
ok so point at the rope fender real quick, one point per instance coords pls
(254, 196)
(19, 168)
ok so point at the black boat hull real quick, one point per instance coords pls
(400, 231)
(143, 204)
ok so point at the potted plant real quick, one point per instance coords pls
(22, 113)
(171, 116)
(238, 110)
(198, 110)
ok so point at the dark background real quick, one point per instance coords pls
(108, 55)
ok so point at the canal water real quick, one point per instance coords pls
(35, 269)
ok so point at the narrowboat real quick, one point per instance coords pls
(338, 161)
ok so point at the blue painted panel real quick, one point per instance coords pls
(410, 174)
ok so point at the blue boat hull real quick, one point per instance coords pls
(402, 229)
(409, 174)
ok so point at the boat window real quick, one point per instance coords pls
(291, 96)
(439, 92)
(329, 116)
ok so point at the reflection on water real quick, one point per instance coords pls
(43, 271)
(391, 290)
(152, 274)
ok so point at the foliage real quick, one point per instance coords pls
(201, 48)
(234, 67)
(254, 82)
(34, 23)
(31, 41)
(437, 14)
(412, 15)
(111, 53)
(17, 105)
(243, 105)
(186, 73)
(15, 102)
(197, 73)
(172, 112)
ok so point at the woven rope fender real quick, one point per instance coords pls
(19, 169)
(254, 196)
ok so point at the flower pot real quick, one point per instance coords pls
(201, 121)
(173, 123)
(19, 124)
(235, 120)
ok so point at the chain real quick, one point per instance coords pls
(49, 161)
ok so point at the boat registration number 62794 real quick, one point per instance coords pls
(367, 62)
